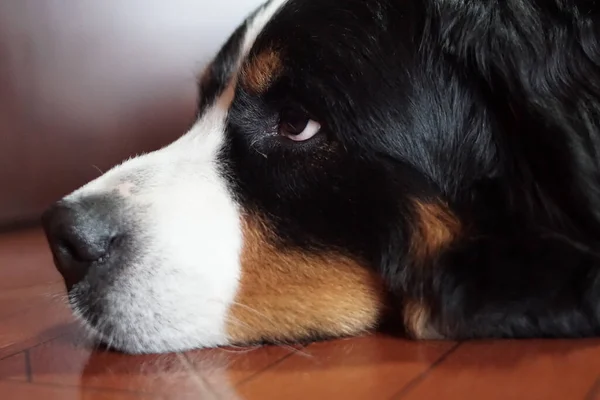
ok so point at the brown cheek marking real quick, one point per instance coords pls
(435, 228)
(286, 295)
(261, 71)
(417, 321)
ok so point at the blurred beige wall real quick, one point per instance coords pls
(87, 83)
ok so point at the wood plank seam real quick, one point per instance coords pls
(594, 392)
(423, 375)
(31, 347)
(28, 372)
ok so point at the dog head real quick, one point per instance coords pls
(327, 133)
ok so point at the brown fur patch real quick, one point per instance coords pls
(260, 71)
(417, 321)
(435, 228)
(286, 295)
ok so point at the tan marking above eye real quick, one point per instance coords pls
(288, 295)
(260, 71)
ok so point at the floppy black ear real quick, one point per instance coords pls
(461, 278)
(536, 66)
(521, 260)
(526, 285)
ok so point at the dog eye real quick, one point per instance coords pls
(297, 126)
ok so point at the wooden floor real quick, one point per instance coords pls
(43, 355)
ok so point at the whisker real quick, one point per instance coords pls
(252, 146)
(244, 306)
(236, 321)
(98, 169)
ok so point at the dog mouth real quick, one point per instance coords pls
(90, 312)
(119, 316)
(104, 325)
(105, 332)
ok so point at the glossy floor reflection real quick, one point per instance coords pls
(43, 354)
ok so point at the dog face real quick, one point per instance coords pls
(310, 177)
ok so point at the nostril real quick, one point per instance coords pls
(65, 247)
(82, 246)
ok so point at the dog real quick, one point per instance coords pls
(355, 164)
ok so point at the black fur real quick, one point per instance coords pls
(490, 106)
(219, 72)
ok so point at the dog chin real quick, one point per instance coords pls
(134, 334)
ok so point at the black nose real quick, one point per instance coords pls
(80, 236)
